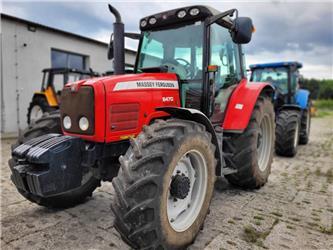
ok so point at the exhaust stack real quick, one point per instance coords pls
(118, 42)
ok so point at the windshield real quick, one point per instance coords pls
(180, 49)
(277, 76)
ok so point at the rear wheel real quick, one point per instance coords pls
(305, 126)
(251, 152)
(165, 185)
(287, 132)
(50, 123)
(37, 108)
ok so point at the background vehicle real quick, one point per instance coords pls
(162, 134)
(292, 104)
(54, 79)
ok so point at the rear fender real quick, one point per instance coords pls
(302, 98)
(197, 116)
(241, 104)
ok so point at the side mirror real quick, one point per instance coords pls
(110, 48)
(242, 29)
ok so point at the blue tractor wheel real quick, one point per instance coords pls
(287, 132)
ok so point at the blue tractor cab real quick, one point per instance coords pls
(292, 104)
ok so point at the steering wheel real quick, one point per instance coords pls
(175, 67)
(187, 66)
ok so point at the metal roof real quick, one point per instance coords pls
(276, 65)
(20, 20)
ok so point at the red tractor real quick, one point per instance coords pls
(162, 134)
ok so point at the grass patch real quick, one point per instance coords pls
(252, 235)
(278, 214)
(329, 176)
(318, 172)
(324, 104)
(295, 219)
(258, 217)
(231, 222)
(326, 230)
(290, 227)
(315, 218)
(313, 224)
(257, 222)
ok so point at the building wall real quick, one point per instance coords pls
(25, 54)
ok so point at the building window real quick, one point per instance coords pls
(62, 59)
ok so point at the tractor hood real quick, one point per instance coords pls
(112, 108)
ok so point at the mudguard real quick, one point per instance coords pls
(198, 116)
(302, 98)
(241, 104)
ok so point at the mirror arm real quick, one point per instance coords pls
(215, 18)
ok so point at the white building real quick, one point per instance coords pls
(26, 49)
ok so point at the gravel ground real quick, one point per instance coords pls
(294, 210)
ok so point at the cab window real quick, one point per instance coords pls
(225, 54)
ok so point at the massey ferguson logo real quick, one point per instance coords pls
(148, 84)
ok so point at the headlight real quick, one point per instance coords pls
(152, 20)
(181, 14)
(194, 11)
(67, 122)
(83, 123)
(143, 23)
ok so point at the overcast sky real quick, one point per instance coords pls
(285, 30)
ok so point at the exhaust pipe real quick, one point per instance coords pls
(118, 43)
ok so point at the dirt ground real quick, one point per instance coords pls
(294, 210)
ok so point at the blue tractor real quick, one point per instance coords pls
(292, 104)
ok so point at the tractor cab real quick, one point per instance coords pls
(202, 47)
(54, 80)
(284, 76)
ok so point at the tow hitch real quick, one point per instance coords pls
(48, 165)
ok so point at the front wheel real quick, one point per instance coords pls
(251, 152)
(287, 132)
(165, 185)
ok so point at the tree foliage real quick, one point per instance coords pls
(320, 89)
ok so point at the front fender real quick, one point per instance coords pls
(241, 104)
(198, 116)
(302, 98)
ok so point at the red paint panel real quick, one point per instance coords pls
(241, 104)
(114, 103)
(124, 116)
(148, 99)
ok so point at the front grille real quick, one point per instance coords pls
(76, 104)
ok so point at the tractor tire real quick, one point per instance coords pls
(50, 123)
(287, 133)
(305, 126)
(169, 167)
(38, 106)
(251, 152)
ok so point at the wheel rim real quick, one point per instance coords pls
(36, 113)
(296, 136)
(264, 142)
(182, 212)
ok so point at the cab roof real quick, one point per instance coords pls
(298, 65)
(170, 17)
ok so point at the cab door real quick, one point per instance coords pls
(226, 56)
